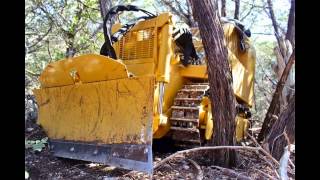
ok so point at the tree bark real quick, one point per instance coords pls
(223, 8)
(205, 12)
(274, 108)
(191, 22)
(237, 9)
(104, 5)
(276, 141)
(70, 50)
(290, 40)
(291, 24)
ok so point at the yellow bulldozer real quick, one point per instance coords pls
(149, 81)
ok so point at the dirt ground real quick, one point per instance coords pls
(42, 165)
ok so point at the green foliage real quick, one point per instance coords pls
(36, 145)
(54, 25)
(264, 78)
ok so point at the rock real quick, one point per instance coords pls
(190, 176)
(31, 108)
(83, 173)
(109, 168)
(26, 174)
(29, 129)
(166, 166)
(186, 167)
(155, 177)
(93, 164)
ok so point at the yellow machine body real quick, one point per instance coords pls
(93, 100)
(82, 112)
(242, 64)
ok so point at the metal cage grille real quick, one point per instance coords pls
(137, 44)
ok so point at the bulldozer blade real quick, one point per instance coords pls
(108, 122)
(127, 156)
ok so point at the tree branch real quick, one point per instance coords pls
(274, 107)
(39, 39)
(32, 73)
(291, 24)
(248, 13)
(252, 4)
(178, 11)
(48, 49)
(232, 173)
(185, 152)
(86, 6)
(223, 8)
(237, 7)
(261, 33)
(276, 28)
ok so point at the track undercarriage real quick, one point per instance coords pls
(185, 118)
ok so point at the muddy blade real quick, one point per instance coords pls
(109, 122)
(132, 157)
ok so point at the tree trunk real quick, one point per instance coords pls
(285, 76)
(104, 5)
(279, 38)
(205, 12)
(276, 141)
(71, 50)
(237, 8)
(291, 24)
(223, 8)
(290, 40)
(284, 50)
(191, 22)
(274, 108)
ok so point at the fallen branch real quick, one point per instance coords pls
(262, 150)
(267, 154)
(232, 173)
(285, 159)
(290, 147)
(268, 162)
(275, 141)
(284, 164)
(265, 174)
(32, 73)
(184, 152)
(291, 163)
(199, 171)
